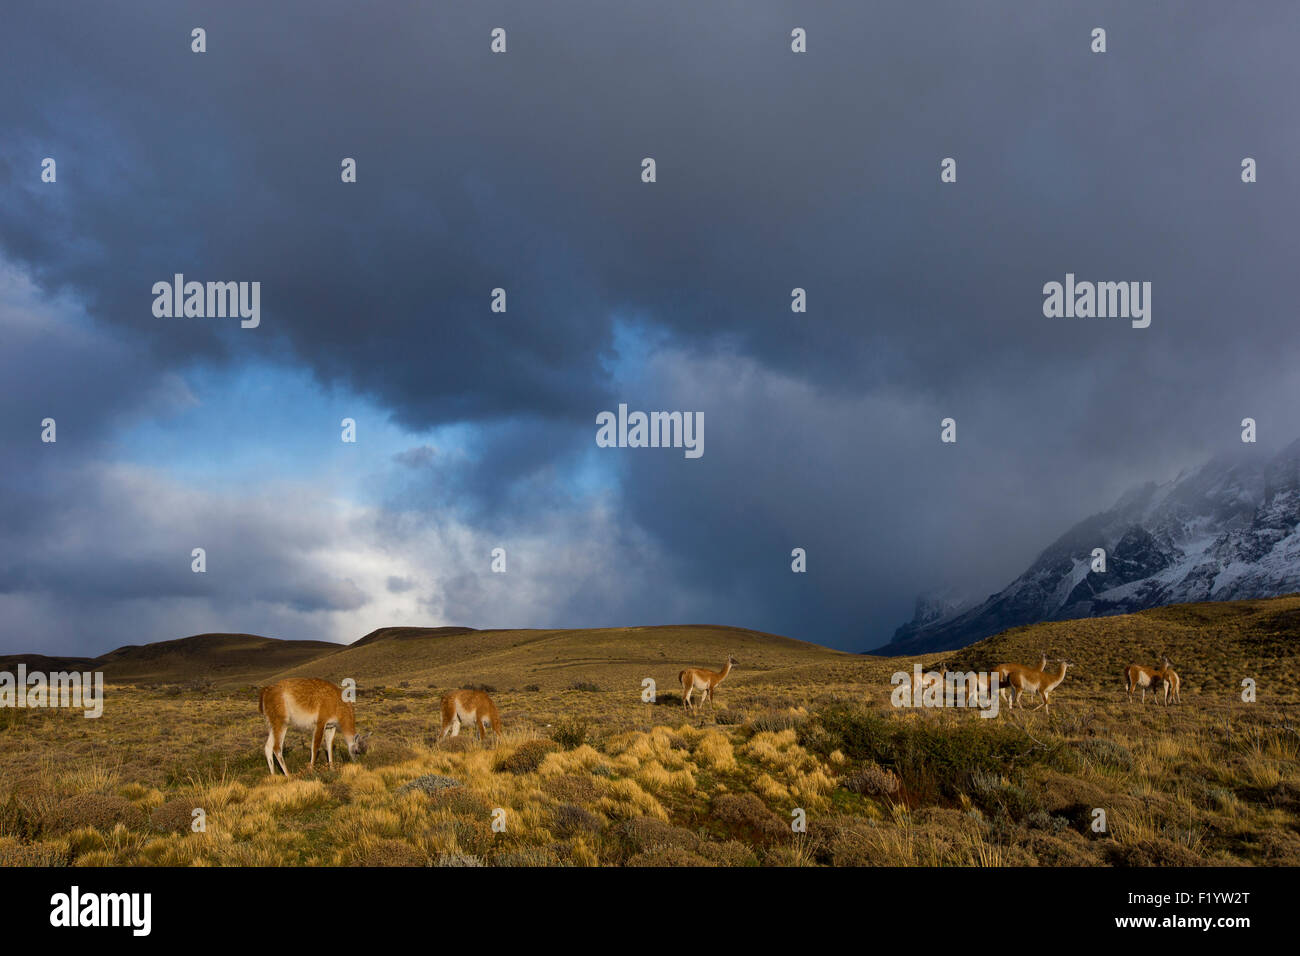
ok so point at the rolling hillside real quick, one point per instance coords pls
(220, 658)
(555, 660)
(591, 774)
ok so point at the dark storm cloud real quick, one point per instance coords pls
(775, 171)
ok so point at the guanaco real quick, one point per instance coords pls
(1135, 676)
(308, 703)
(1172, 682)
(470, 706)
(703, 680)
(935, 676)
(1004, 676)
(1042, 681)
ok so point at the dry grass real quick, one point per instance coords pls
(586, 778)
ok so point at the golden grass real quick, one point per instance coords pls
(1213, 780)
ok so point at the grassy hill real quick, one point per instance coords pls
(1213, 647)
(220, 658)
(589, 773)
(555, 660)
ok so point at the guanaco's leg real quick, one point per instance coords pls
(316, 739)
(279, 747)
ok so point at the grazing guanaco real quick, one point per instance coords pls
(1135, 676)
(703, 680)
(308, 703)
(470, 706)
(1004, 676)
(1042, 681)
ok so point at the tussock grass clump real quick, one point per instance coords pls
(585, 685)
(1105, 753)
(714, 751)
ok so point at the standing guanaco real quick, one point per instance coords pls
(1004, 676)
(308, 703)
(703, 680)
(1042, 681)
(1135, 676)
(934, 677)
(470, 706)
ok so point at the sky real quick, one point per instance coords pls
(476, 429)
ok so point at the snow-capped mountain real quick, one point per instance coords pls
(1228, 531)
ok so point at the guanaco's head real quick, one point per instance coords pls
(733, 662)
(358, 745)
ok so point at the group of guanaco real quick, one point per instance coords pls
(1014, 680)
(318, 706)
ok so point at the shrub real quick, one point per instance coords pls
(571, 820)
(776, 721)
(36, 854)
(872, 780)
(748, 817)
(98, 810)
(392, 853)
(526, 856)
(931, 759)
(570, 732)
(648, 833)
(669, 856)
(527, 758)
(584, 686)
(430, 783)
(174, 816)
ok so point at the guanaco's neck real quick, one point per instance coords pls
(347, 722)
(1059, 677)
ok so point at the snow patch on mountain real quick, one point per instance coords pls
(1227, 531)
